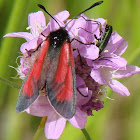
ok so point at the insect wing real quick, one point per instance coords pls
(61, 81)
(34, 81)
(53, 69)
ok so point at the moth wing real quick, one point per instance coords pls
(34, 81)
(61, 83)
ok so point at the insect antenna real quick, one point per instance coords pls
(43, 8)
(93, 5)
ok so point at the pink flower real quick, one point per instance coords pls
(112, 66)
(55, 124)
(93, 72)
(37, 24)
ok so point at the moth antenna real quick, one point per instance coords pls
(43, 8)
(93, 5)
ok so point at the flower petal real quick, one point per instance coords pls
(36, 21)
(116, 45)
(60, 18)
(97, 76)
(25, 35)
(113, 62)
(84, 96)
(118, 87)
(79, 81)
(79, 120)
(101, 20)
(91, 52)
(24, 69)
(130, 70)
(41, 107)
(73, 26)
(122, 45)
(54, 126)
(30, 45)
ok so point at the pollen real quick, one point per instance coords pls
(29, 27)
(106, 51)
(37, 25)
(76, 33)
(96, 42)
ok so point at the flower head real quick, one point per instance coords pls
(93, 72)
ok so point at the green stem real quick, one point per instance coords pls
(40, 128)
(9, 83)
(86, 134)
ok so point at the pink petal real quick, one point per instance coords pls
(85, 36)
(83, 91)
(101, 20)
(38, 18)
(84, 97)
(116, 45)
(119, 62)
(130, 70)
(122, 45)
(75, 29)
(74, 25)
(46, 30)
(79, 81)
(41, 107)
(25, 35)
(113, 62)
(79, 120)
(60, 18)
(81, 99)
(31, 45)
(118, 87)
(24, 69)
(91, 52)
(54, 126)
(97, 76)
(63, 15)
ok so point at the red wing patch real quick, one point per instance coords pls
(62, 88)
(33, 82)
(66, 94)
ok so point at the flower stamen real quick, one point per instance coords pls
(29, 27)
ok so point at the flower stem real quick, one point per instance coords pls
(86, 134)
(40, 128)
(9, 83)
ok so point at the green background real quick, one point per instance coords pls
(120, 118)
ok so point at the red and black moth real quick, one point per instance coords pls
(54, 70)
